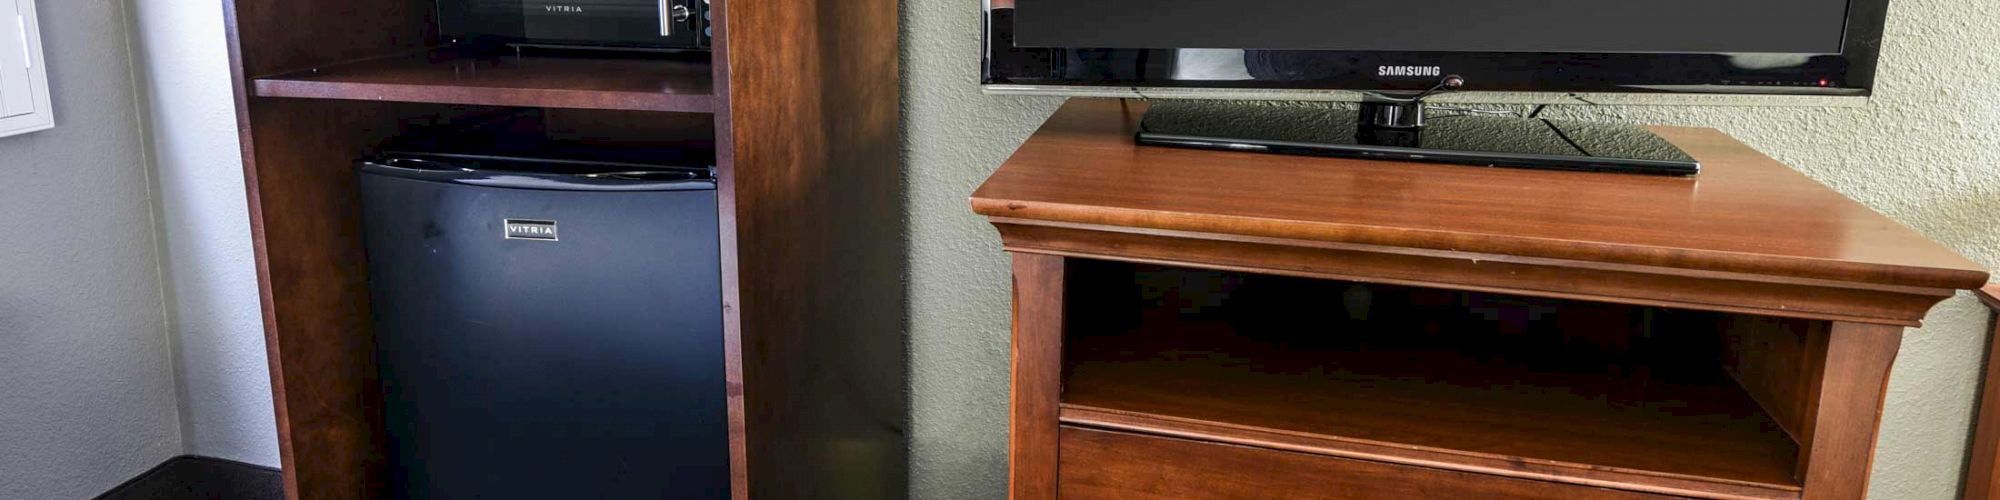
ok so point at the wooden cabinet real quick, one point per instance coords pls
(1203, 324)
(802, 111)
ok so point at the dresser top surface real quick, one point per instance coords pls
(1745, 213)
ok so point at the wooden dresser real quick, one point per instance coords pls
(1203, 324)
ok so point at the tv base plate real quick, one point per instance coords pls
(1445, 137)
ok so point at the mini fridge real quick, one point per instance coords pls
(547, 326)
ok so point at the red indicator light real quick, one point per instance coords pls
(1824, 82)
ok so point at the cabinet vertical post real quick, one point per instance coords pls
(1854, 377)
(1037, 376)
(1981, 473)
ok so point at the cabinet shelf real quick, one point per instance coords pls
(1707, 440)
(1593, 394)
(550, 82)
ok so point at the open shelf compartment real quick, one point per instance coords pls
(1586, 393)
(451, 77)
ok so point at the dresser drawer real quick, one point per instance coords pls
(1099, 464)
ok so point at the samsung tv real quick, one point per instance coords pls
(1393, 56)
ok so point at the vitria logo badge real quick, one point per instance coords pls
(529, 229)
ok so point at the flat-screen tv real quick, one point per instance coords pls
(1393, 56)
(1798, 47)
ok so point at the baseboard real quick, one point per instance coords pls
(189, 477)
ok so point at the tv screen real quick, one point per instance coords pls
(1685, 26)
(1804, 47)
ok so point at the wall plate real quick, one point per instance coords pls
(24, 77)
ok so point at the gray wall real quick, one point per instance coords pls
(1926, 152)
(210, 268)
(86, 390)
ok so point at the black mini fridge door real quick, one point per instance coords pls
(547, 335)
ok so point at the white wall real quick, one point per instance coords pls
(129, 323)
(86, 389)
(210, 274)
(1926, 152)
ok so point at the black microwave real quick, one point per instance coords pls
(637, 24)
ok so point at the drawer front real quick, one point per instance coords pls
(1099, 464)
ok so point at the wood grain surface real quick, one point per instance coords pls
(552, 82)
(305, 229)
(811, 179)
(1036, 374)
(1812, 290)
(1432, 407)
(1982, 474)
(1811, 299)
(1777, 361)
(1112, 465)
(1838, 460)
(306, 226)
(282, 36)
(1744, 214)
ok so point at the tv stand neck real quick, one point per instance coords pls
(1383, 110)
(1390, 123)
(1403, 114)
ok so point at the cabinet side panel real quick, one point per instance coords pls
(1848, 409)
(1040, 299)
(307, 225)
(1982, 473)
(812, 181)
(1776, 360)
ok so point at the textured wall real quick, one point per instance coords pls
(86, 389)
(182, 66)
(1925, 151)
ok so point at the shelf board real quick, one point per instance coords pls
(1436, 409)
(551, 82)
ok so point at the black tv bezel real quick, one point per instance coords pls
(1848, 73)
